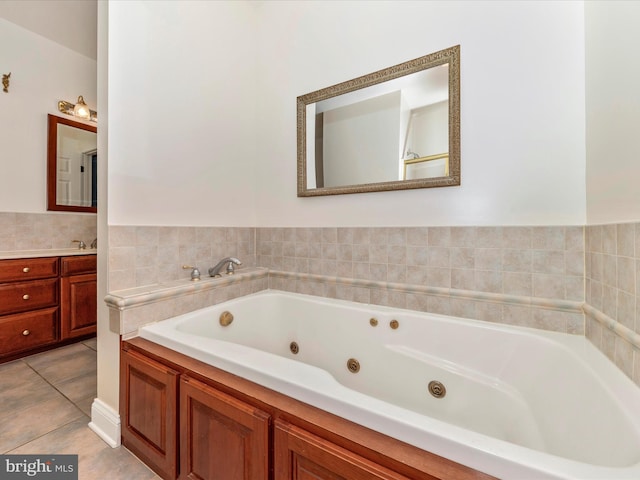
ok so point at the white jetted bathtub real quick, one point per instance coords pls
(518, 403)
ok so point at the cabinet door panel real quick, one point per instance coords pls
(78, 305)
(301, 455)
(222, 438)
(149, 401)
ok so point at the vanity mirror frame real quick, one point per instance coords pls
(450, 56)
(52, 170)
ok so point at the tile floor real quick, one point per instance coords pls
(45, 406)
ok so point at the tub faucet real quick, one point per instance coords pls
(195, 273)
(229, 262)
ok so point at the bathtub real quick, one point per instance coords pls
(512, 402)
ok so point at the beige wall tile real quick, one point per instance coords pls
(516, 237)
(609, 241)
(548, 238)
(463, 236)
(439, 236)
(418, 236)
(626, 270)
(625, 239)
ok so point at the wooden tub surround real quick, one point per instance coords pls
(189, 420)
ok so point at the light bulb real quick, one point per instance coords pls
(81, 109)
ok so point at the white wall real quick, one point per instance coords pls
(42, 72)
(194, 145)
(613, 111)
(522, 107)
(182, 103)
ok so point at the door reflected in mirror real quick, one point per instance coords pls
(398, 128)
(72, 161)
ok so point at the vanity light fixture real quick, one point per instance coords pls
(5, 82)
(80, 109)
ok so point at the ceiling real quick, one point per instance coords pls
(71, 23)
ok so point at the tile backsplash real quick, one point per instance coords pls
(536, 276)
(612, 293)
(147, 255)
(541, 262)
(41, 231)
(529, 276)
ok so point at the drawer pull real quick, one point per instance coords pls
(26, 296)
(26, 269)
(25, 332)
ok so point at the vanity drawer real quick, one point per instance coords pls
(26, 331)
(23, 296)
(78, 265)
(28, 269)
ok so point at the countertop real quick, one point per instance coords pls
(52, 252)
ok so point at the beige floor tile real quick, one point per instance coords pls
(36, 419)
(62, 368)
(92, 343)
(79, 387)
(45, 406)
(84, 404)
(115, 464)
(20, 388)
(43, 359)
(96, 460)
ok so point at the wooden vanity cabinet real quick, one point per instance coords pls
(45, 302)
(78, 296)
(28, 305)
(229, 428)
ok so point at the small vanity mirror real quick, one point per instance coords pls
(71, 166)
(395, 129)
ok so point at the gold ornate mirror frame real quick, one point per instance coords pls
(449, 56)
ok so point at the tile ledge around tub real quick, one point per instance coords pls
(134, 297)
(546, 303)
(626, 333)
(45, 252)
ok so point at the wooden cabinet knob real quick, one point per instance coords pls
(26, 296)
(25, 332)
(26, 269)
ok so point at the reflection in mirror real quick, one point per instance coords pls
(72, 169)
(397, 128)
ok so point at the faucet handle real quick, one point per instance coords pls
(230, 268)
(195, 273)
(81, 244)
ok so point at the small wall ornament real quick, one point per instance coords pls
(5, 82)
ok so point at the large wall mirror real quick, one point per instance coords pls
(72, 166)
(394, 129)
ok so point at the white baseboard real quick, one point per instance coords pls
(105, 422)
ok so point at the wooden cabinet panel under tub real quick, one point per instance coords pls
(221, 437)
(45, 302)
(229, 427)
(299, 454)
(148, 399)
